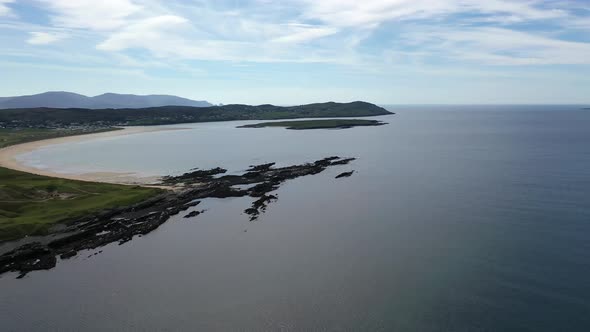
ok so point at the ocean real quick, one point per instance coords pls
(457, 218)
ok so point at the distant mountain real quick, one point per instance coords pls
(47, 99)
(135, 101)
(60, 99)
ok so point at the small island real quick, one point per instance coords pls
(317, 124)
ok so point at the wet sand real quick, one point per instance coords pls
(8, 157)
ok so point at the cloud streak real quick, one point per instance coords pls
(371, 13)
(346, 32)
(91, 14)
(4, 8)
(44, 38)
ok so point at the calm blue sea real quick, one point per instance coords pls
(458, 218)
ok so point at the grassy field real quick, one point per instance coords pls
(317, 124)
(31, 204)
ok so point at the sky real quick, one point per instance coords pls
(301, 51)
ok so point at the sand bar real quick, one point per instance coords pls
(8, 157)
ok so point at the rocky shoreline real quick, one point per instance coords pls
(123, 224)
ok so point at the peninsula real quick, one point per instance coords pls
(80, 117)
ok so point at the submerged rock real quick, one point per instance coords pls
(344, 175)
(194, 214)
(259, 206)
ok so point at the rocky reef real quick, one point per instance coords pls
(123, 224)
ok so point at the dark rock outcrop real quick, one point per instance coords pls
(194, 214)
(123, 224)
(344, 175)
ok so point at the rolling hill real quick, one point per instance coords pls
(61, 99)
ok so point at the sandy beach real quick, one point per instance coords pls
(8, 157)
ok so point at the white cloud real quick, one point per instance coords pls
(371, 13)
(91, 14)
(500, 46)
(174, 36)
(331, 31)
(148, 33)
(459, 37)
(4, 9)
(304, 33)
(43, 38)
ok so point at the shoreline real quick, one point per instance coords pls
(123, 224)
(9, 154)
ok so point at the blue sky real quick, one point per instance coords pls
(301, 51)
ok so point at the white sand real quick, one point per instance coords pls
(8, 157)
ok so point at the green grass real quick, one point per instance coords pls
(31, 204)
(317, 124)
